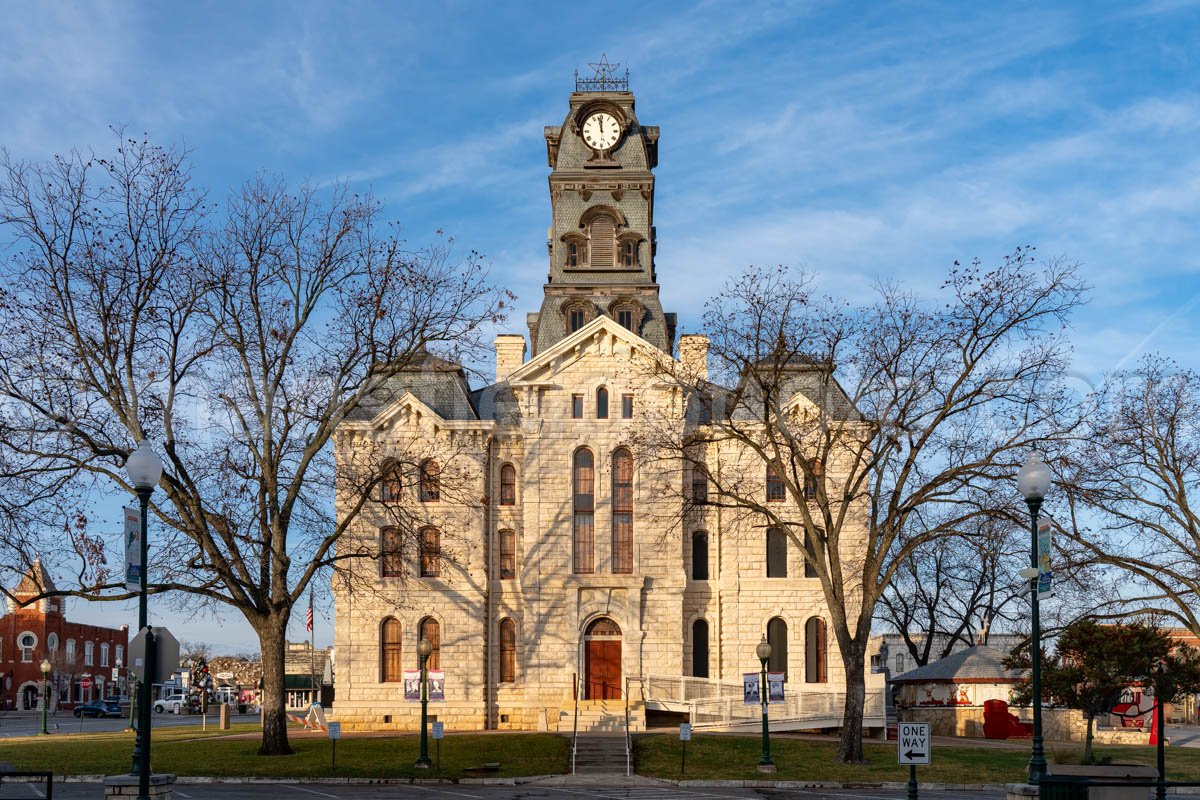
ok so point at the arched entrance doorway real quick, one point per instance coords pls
(602, 660)
(30, 696)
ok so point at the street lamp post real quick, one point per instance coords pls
(145, 469)
(1033, 481)
(424, 648)
(46, 667)
(763, 651)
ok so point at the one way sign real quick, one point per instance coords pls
(913, 743)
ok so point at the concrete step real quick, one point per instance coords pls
(600, 754)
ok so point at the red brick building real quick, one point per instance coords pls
(78, 654)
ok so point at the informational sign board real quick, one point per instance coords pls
(685, 732)
(335, 730)
(439, 730)
(116, 674)
(1045, 578)
(912, 744)
(133, 549)
(167, 661)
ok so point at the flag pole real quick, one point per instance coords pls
(312, 648)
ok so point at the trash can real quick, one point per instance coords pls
(241, 708)
(1063, 787)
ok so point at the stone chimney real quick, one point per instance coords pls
(693, 354)
(510, 354)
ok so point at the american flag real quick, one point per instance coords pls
(309, 618)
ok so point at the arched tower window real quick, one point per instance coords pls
(431, 481)
(508, 651)
(602, 403)
(777, 547)
(391, 552)
(622, 511)
(584, 482)
(777, 637)
(602, 241)
(700, 648)
(431, 552)
(699, 556)
(775, 489)
(810, 484)
(816, 651)
(508, 555)
(508, 485)
(433, 632)
(391, 667)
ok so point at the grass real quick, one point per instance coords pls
(224, 754)
(186, 751)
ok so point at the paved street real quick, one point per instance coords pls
(26, 723)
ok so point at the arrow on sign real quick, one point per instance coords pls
(911, 756)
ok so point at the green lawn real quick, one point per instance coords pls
(714, 757)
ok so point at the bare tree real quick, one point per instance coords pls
(236, 337)
(934, 405)
(1132, 480)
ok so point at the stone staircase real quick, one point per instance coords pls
(600, 754)
(606, 716)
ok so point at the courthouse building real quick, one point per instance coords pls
(547, 561)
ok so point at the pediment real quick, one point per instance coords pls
(602, 335)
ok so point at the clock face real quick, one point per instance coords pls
(601, 130)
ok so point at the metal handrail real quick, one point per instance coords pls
(628, 737)
(575, 725)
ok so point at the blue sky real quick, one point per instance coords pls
(862, 141)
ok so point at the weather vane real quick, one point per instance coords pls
(604, 78)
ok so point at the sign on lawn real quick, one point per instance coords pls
(913, 743)
(335, 730)
(685, 731)
(439, 730)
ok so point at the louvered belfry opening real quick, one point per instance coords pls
(603, 242)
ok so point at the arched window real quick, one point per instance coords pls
(508, 485)
(89, 654)
(391, 552)
(699, 556)
(431, 481)
(27, 641)
(576, 319)
(810, 484)
(777, 637)
(52, 642)
(104, 654)
(775, 489)
(628, 252)
(70, 651)
(121, 654)
(816, 651)
(602, 241)
(602, 403)
(575, 254)
(433, 632)
(431, 552)
(391, 667)
(699, 485)
(508, 555)
(584, 479)
(389, 487)
(508, 651)
(700, 648)
(777, 547)
(622, 511)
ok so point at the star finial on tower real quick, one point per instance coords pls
(604, 77)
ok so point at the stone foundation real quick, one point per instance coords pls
(162, 786)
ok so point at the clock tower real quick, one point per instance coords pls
(601, 239)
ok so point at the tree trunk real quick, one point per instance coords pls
(850, 749)
(1087, 741)
(271, 638)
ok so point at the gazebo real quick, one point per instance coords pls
(950, 693)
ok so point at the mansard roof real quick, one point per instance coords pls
(35, 581)
(440, 384)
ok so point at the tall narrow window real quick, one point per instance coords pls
(816, 655)
(104, 654)
(626, 406)
(777, 553)
(431, 552)
(699, 556)
(705, 416)
(700, 648)
(584, 479)
(573, 254)
(576, 406)
(810, 569)
(433, 632)
(391, 667)
(89, 654)
(27, 641)
(625, 318)
(699, 485)
(777, 637)
(508, 485)
(628, 253)
(391, 552)
(70, 652)
(775, 490)
(622, 514)
(810, 484)
(602, 242)
(389, 488)
(431, 481)
(508, 555)
(602, 403)
(120, 654)
(508, 651)
(576, 319)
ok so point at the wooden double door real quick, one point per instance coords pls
(603, 657)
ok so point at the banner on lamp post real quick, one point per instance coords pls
(437, 685)
(133, 548)
(775, 687)
(412, 685)
(1045, 579)
(750, 689)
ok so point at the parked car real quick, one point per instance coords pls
(99, 708)
(171, 703)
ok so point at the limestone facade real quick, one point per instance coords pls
(564, 561)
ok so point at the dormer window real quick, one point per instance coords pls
(628, 253)
(602, 237)
(625, 318)
(576, 319)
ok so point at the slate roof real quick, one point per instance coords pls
(975, 663)
(442, 385)
(35, 581)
